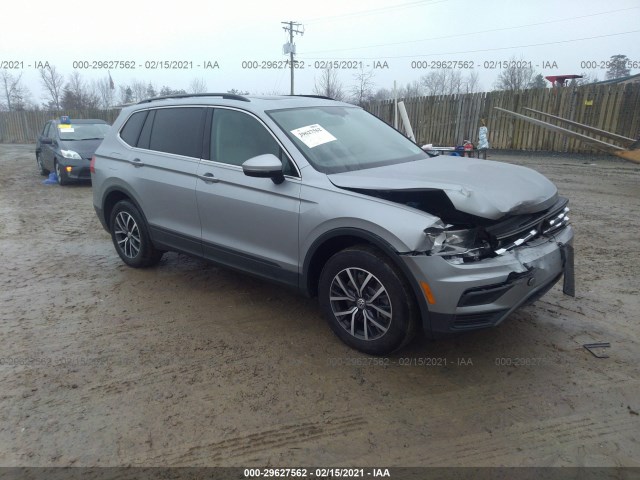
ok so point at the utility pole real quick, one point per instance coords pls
(292, 27)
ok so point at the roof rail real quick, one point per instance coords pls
(313, 96)
(226, 96)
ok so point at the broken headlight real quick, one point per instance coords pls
(456, 245)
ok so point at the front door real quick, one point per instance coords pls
(248, 223)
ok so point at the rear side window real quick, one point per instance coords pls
(131, 130)
(178, 130)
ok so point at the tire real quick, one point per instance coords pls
(61, 174)
(130, 236)
(367, 301)
(43, 171)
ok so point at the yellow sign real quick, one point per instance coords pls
(588, 103)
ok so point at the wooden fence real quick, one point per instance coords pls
(448, 120)
(24, 127)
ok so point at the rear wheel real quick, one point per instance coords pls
(43, 171)
(367, 301)
(131, 237)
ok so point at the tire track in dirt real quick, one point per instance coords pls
(243, 448)
(544, 437)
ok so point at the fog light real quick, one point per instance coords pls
(68, 169)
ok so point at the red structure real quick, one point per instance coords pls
(561, 80)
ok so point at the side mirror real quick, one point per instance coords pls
(46, 141)
(264, 166)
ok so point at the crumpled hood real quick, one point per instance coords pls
(478, 187)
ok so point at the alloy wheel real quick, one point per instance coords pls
(127, 234)
(360, 303)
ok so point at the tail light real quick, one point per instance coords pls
(92, 165)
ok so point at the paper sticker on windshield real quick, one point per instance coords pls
(313, 135)
(66, 127)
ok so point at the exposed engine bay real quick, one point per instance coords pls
(471, 237)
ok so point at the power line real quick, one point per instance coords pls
(375, 10)
(476, 51)
(471, 33)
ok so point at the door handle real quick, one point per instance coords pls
(208, 178)
(136, 162)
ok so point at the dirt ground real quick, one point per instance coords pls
(188, 364)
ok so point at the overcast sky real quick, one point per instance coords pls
(568, 32)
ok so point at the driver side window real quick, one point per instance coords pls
(237, 137)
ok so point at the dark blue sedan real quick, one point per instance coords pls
(66, 147)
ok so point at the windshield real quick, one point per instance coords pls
(83, 131)
(341, 139)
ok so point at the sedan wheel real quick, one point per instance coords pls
(61, 174)
(43, 171)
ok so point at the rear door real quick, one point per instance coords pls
(164, 164)
(248, 223)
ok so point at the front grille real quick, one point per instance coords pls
(520, 229)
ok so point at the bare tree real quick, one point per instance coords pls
(382, 94)
(362, 91)
(411, 90)
(78, 95)
(472, 82)
(15, 96)
(139, 90)
(443, 82)
(198, 85)
(235, 91)
(106, 94)
(53, 83)
(517, 76)
(329, 85)
(586, 79)
(275, 92)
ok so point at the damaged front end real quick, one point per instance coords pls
(491, 239)
(461, 237)
(476, 270)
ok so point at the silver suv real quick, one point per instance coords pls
(326, 198)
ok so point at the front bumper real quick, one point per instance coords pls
(79, 168)
(482, 294)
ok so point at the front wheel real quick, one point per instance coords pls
(131, 237)
(367, 301)
(61, 174)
